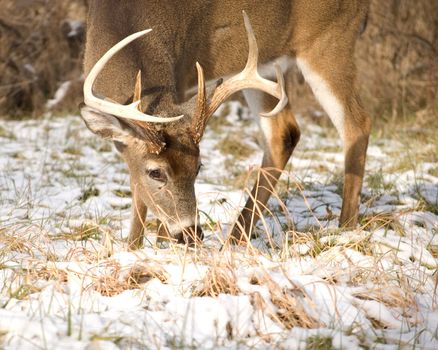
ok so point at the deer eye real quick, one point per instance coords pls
(157, 175)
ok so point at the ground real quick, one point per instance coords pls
(68, 281)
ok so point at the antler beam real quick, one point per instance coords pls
(249, 78)
(123, 111)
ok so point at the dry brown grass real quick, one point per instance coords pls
(372, 222)
(289, 306)
(25, 281)
(49, 273)
(116, 280)
(397, 60)
(288, 303)
(14, 243)
(217, 280)
(36, 53)
(290, 312)
(391, 296)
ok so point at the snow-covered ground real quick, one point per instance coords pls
(68, 282)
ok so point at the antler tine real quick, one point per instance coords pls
(200, 118)
(253, 48)
(153, 137)
(123, 111)
(283, 97)
(137, 91)
(249, 78)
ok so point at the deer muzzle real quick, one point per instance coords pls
(191, 234)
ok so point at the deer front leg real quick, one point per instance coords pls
(333, 83)
(281, 134)
(357, 129)
(138, 217)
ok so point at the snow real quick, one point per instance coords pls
(68, 281)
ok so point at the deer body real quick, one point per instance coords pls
(319, 34)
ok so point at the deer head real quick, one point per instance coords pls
(162, 152)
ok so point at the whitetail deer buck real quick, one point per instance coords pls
(158, 134)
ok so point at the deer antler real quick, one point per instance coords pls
(123, 111)
(137, 91)
(249, 78)
(152, 136)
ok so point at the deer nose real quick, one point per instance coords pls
(190, 235)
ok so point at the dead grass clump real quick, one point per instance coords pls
(288, 302)
(14, 243)
(291, 312)
(31, 276)
(318, 342)
(79, 253)
(23, 291)
(218, 280)
(115, 279)
(40, 47)
(25, 281)
(142, 273)
(50, 274)
(391, 296)
(313, 242)
(375, 222)
(81, 233)
(364, 246)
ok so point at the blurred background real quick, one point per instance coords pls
(41, 48)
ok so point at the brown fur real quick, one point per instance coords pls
(212, 33)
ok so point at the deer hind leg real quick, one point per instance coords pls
(331, 77)
(280, 136)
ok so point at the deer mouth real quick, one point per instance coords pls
(190, 235)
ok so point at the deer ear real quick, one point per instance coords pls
(105, 125)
